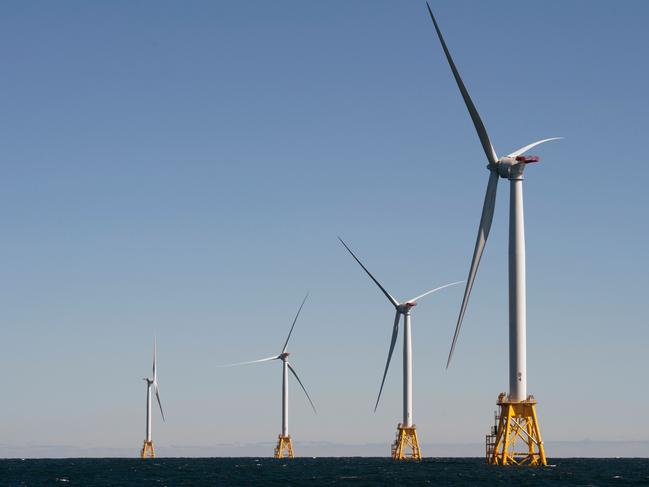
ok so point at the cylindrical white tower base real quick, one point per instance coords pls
(517, 311)
(284, 398)
(148, 411)
(407, 371)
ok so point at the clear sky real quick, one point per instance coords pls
(182, 169)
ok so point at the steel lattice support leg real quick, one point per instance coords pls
(147, 450)
(518, 439)
(406, 445)
(284, 448)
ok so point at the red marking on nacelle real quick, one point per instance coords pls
(528, 159)
(410, 304)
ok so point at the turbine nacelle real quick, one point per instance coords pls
(283, 356)
(405, 307)
(511, 167)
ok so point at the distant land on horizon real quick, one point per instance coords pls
(554, 449)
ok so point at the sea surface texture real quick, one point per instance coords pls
(316, 472)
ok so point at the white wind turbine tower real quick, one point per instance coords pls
(517, 419)
(151, 386)
(284, 446)
(406, 445)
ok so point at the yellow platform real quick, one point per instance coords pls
(516, 438)
(147, 450)
(284, 448)
(406, 444)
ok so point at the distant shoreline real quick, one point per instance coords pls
(555, 449)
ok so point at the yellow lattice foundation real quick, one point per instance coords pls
(147, 450)
(406, 445)
(516, 439)
(284, 448)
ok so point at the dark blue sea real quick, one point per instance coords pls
(316, 472)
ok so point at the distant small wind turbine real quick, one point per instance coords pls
(284, 446)
(151, 384)
(406, 431)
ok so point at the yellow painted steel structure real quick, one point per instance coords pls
(517, 436)
(406, 445)
(147, 450)
(284, 448)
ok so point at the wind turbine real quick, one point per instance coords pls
(284, 442)
(407, 438)
(517, 418)
(151, 385)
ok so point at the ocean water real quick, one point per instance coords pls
(316, 472)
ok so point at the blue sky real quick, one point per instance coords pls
(184, 169)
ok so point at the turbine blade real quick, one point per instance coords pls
(252, 361)
(528, 147)
(157, 396)
(387, 294)
(483, 233)
(475, 116)
(155, 376)
(301, 385)
(293, 325)
(433, 290)
(393, 341)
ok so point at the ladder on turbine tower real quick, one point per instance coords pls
(490, 439)
(394, 446)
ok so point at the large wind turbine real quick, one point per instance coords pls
(517, 410)
(151, 385)
(407, 438)
(284, 442)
